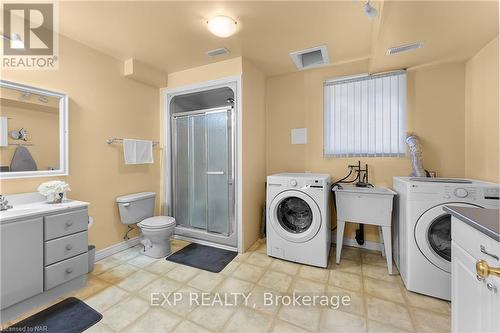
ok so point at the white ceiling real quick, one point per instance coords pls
(172, 36)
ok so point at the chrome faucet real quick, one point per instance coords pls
(4, 204)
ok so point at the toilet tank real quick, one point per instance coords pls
(136, 207)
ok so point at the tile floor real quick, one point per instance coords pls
(121, 285)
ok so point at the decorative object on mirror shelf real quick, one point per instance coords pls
(21, 134)
(54, 191)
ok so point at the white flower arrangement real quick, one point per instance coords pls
(54, 190)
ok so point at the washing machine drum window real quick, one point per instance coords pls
(433, 234)
(439, 236)
(294, 215)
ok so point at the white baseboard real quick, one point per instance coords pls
(109, 251)
(369, 245)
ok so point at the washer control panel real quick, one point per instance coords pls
(311, 183)
(460, 192)
(491, 193)
(470, 192)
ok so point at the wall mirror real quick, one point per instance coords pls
(33, 132)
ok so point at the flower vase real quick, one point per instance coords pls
(55, 198)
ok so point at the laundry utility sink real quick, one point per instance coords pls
(364, 203)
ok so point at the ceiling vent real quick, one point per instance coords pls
(217, 52)
(310, 58)
(404, 48)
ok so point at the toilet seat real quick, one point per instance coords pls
(157, 222)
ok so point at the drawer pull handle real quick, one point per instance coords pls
(484, 270)
(69, 247)
(69, 223)
(69, 270)
(491, 287)
(483, 250)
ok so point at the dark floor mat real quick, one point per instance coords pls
(68, 316)
(208, 258)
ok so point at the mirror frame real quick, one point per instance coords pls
(63, 133)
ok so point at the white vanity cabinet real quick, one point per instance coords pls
(21, 260)
(43, 254)
(475, 300)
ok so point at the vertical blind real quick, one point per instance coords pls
(365, 115)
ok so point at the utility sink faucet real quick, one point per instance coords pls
(4, 203)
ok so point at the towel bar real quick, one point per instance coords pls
(113, 140)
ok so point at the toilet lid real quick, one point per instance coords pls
(157, 222)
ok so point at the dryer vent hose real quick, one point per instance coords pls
(416, 156)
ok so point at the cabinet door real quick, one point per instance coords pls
(491, 305)
(21, 260)
(466, 292)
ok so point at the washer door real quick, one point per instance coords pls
(433, 235)
(294, 216)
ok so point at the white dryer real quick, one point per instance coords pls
(298, 217)
(422, 229)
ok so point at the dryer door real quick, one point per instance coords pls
(294, 216)
(433, 235)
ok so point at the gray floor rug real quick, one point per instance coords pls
(68, 316)
(208, 258)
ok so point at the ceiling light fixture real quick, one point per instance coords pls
(222, 26)
(370, 11)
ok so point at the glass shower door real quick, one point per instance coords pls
(203, 187)
(217, 172)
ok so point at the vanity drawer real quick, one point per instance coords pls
(65, 247)
(65, 224)
(66, 270)
(477, 244)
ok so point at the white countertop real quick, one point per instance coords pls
(34, 204)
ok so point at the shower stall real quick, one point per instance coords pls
(203, 129)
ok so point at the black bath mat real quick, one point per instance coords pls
(208, 258)
(68, 316)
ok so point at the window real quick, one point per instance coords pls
(365, 115)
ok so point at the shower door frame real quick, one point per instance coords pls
(187, 231)
(233, 83)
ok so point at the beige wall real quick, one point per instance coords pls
(435, 113)
(102, 104)
(217, 70)
(254, 151)
(42, 123)
(253, 132)
(482, 141)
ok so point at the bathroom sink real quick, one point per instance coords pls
(18, 211)
(33, 204)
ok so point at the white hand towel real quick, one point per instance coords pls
(4, 132)
(137, 151)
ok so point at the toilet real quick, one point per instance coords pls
(138, 208)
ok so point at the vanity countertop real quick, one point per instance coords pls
(32, 204)
(483, 219)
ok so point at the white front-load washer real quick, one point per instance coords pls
(298, 217)
(422, 229)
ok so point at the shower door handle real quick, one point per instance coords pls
(215, 172)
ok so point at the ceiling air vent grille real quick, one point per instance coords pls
(217, 52)
(404, 48)
(310, 58)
